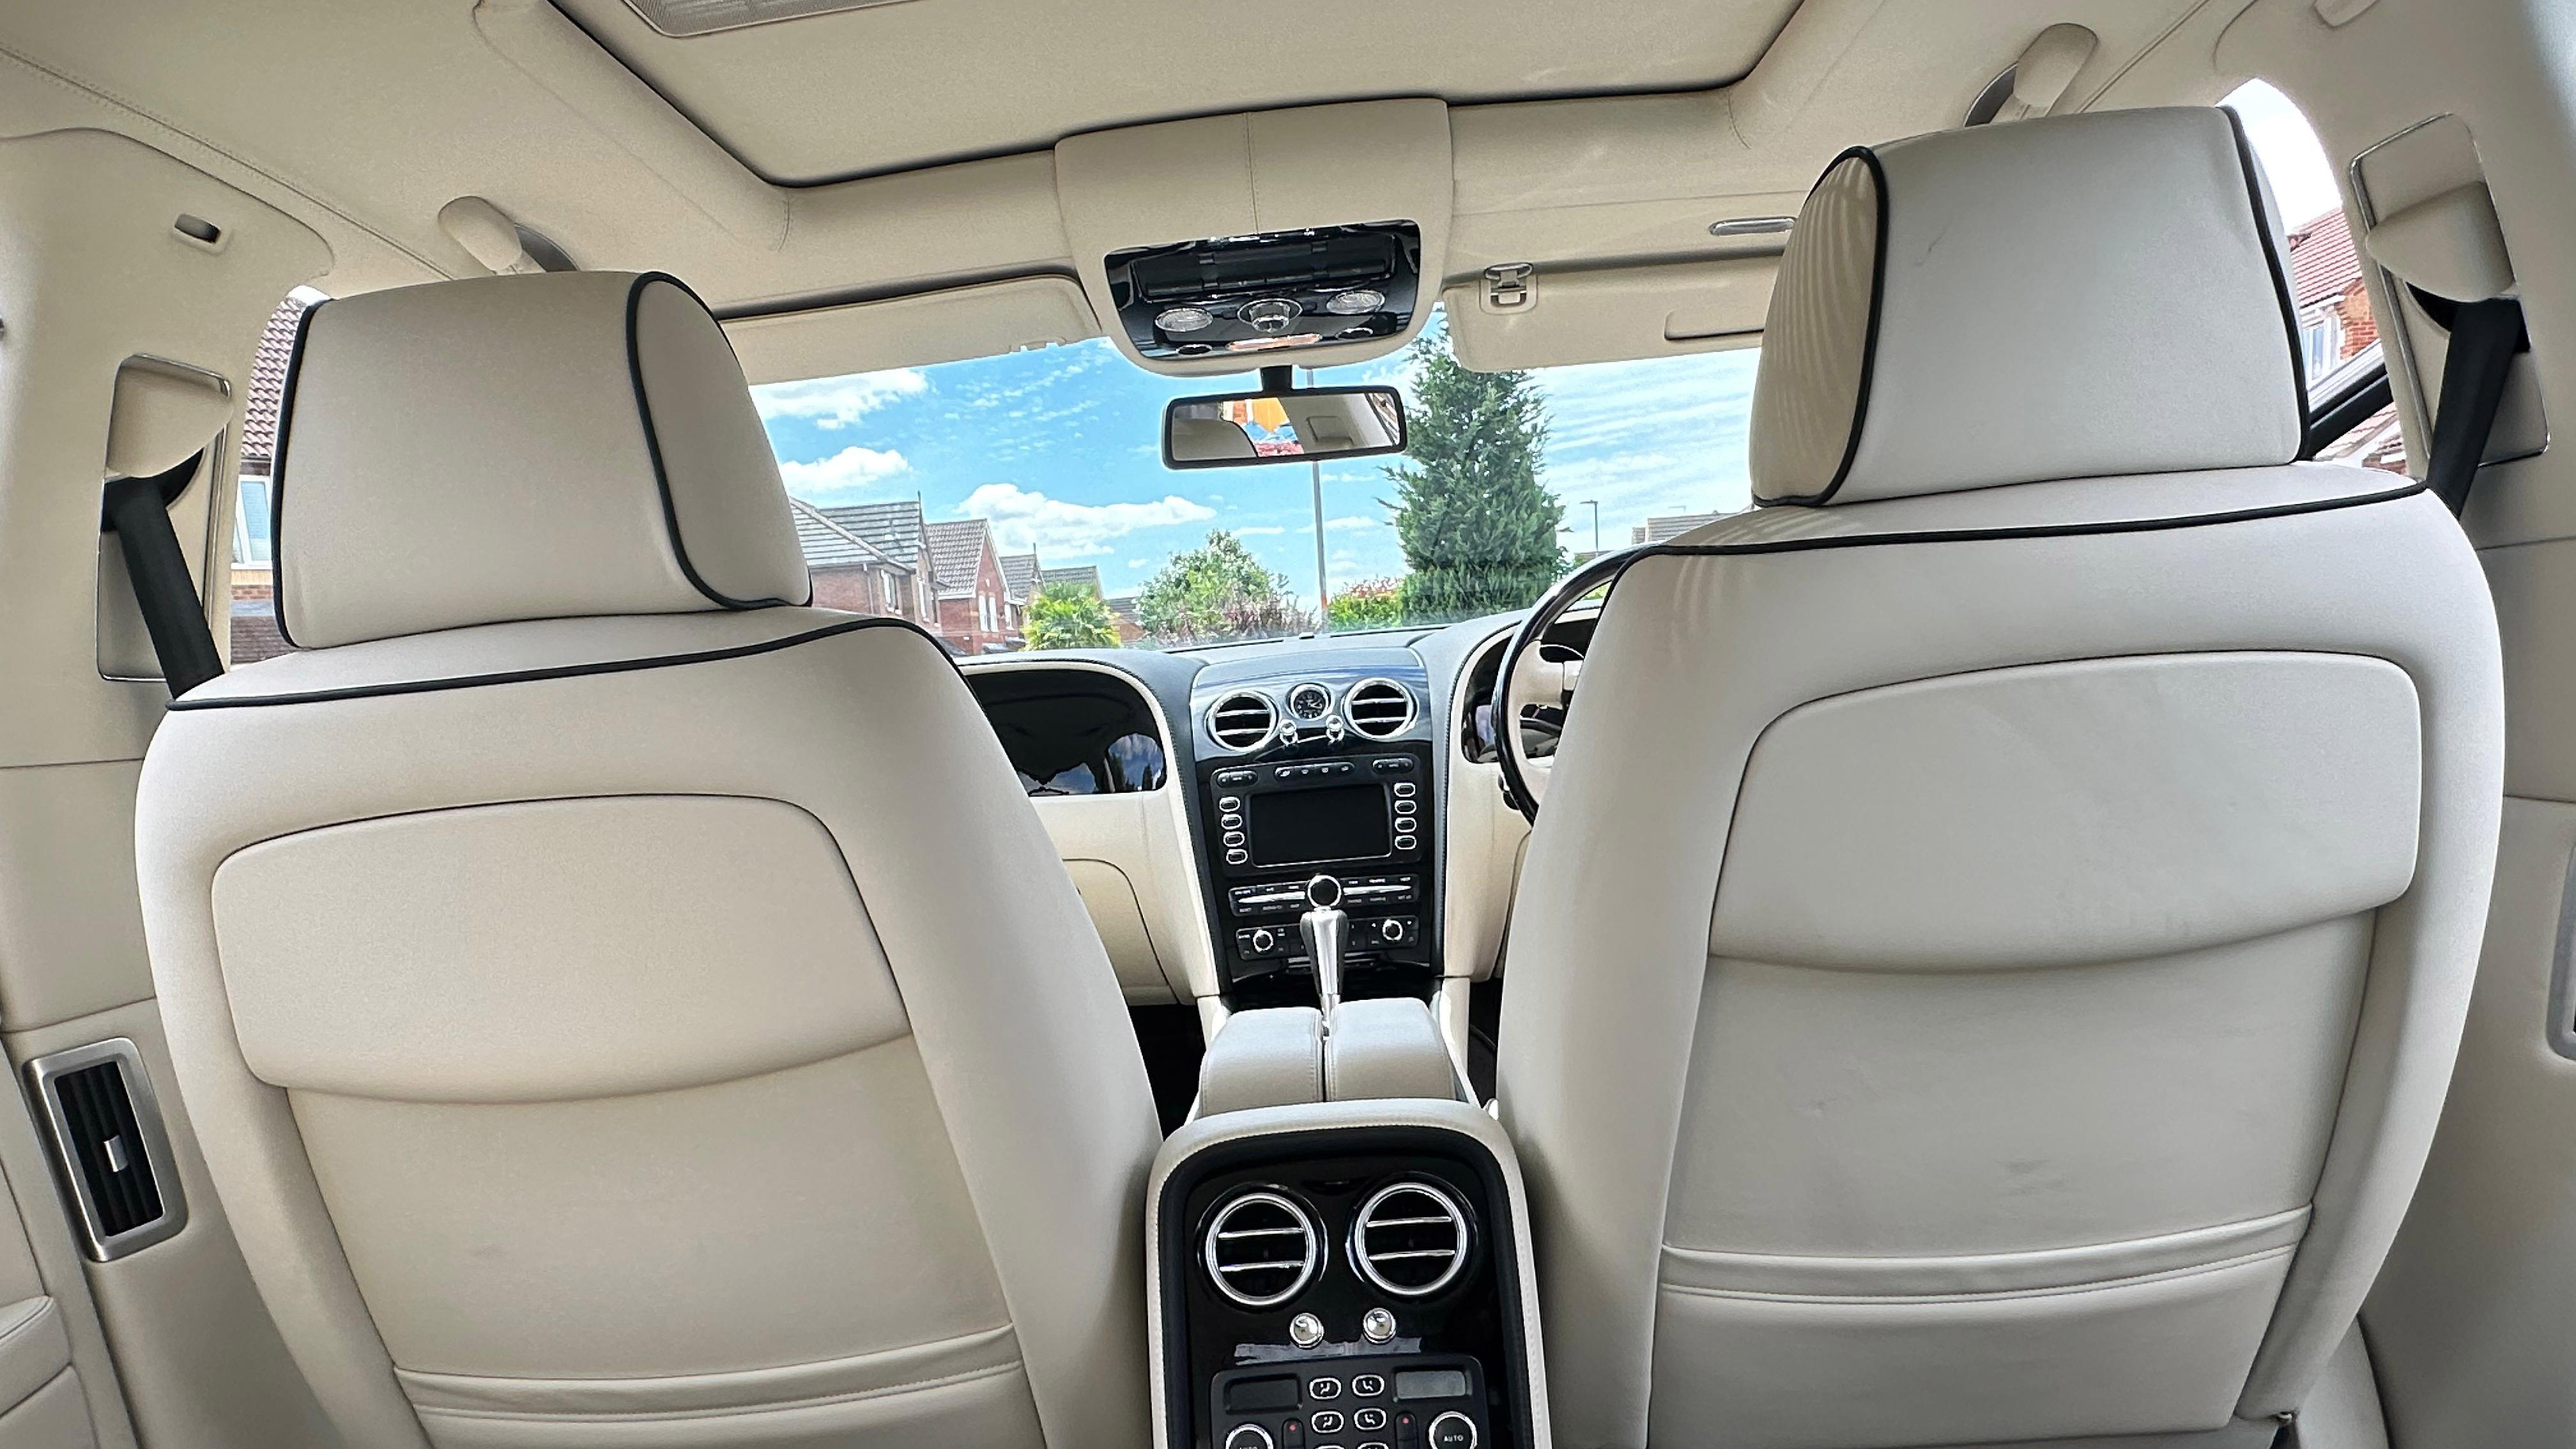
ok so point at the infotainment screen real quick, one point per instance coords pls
(1299, 827)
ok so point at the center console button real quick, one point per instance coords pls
(1452, 1430)
(1249, 1436)
(1327, 1422)
(1230, 821)
(1323, 1388)
(1404, 789)
(1237, 857)
(1370, 1386)
(1229, 802)
(1234, 837)
(1369, 1420)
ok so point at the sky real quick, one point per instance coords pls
(1060, 448)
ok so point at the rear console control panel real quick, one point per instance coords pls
(1344, 1287)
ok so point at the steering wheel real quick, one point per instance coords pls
(1530, 696)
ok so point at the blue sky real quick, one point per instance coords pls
(1060, 449)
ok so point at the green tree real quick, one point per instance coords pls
(1070, 616)
(1368, 604)
(1218, 591)
(1477, 528)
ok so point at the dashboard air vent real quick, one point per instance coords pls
(1410, 1239)
(1379, 708)
(1242, 721)
(1262, 1249)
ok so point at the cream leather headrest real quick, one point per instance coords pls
(521, 447)
(2078, 296)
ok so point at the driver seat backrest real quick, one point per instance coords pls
(619, 1004)
(1991, 958)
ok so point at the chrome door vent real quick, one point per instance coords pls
(1262, 1249)
(1242, 721)
(1410, 1239)
(1379, 708)
(109, 1150)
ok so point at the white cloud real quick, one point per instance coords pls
(838, 402)
(1345, 524)
(1024, 520)
(1258, 530)
(846, 471)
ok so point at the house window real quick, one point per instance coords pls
(250, 524)
(984, 611)
(2321, 340)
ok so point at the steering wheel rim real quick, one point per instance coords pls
(1519, 783)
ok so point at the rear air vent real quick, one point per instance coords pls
(1242, 721)
(109, 1149)
(1262, 1249)
(1379, 708)
(1410, 1239)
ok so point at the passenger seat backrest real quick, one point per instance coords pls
(619, 1004)
(1990, 960)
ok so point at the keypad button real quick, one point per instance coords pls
(1404, 807)
(1323, 1388)
(1371, 1386)
(1327, 1422)
(1369, 1421)
(1237, 857)
(1404, 789)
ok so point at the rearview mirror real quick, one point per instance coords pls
(1281, 424)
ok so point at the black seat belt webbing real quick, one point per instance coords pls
(2484, 337)
(174, 613)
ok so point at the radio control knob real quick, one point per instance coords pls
(1452, 1430)
(1390, 930)
(1263, 940)
(1248, 1436)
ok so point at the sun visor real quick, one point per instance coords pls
(916, 331)
(1266, 175)
(1609, 314)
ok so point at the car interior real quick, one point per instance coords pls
(689, 759)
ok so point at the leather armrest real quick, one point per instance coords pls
(1387, 1047)
(1272, 1058)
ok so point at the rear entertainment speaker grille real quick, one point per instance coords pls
(1379, 708)
(1262, 1249)
(1242, 721)
(1410, 1239)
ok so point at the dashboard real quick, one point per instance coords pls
(1194, 794)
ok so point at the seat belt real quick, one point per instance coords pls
(137, 511)
(2484, 337)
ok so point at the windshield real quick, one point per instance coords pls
(1021, 502)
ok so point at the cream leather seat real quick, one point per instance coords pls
(620, 1007)
(1993, 951)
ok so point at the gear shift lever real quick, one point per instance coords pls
(1323, 925)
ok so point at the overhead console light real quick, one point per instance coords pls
(1261, 293)
(681, 19)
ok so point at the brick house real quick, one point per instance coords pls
(2335, 326)
(966, 574)
(852, 574)
(1020, 576)
(895, 532)
(254, 605)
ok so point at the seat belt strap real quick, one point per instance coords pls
(174, 613)
(2484, 337)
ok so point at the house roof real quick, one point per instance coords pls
(828, 545)
(1086, 576)
(1020, 575)
(2323, 261)
(268, 385)
(957, 547)
(1656, 530)
(893, 529)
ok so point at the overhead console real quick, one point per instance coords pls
(1283, 236)
(1279, 292)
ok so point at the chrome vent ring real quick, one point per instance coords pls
(1378, 708)
(1262, 1249)
(1243, 720)
(1410, 1239)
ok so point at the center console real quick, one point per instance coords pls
(1344, 1275)
(1357, 812)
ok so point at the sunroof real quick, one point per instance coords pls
(682, 18)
